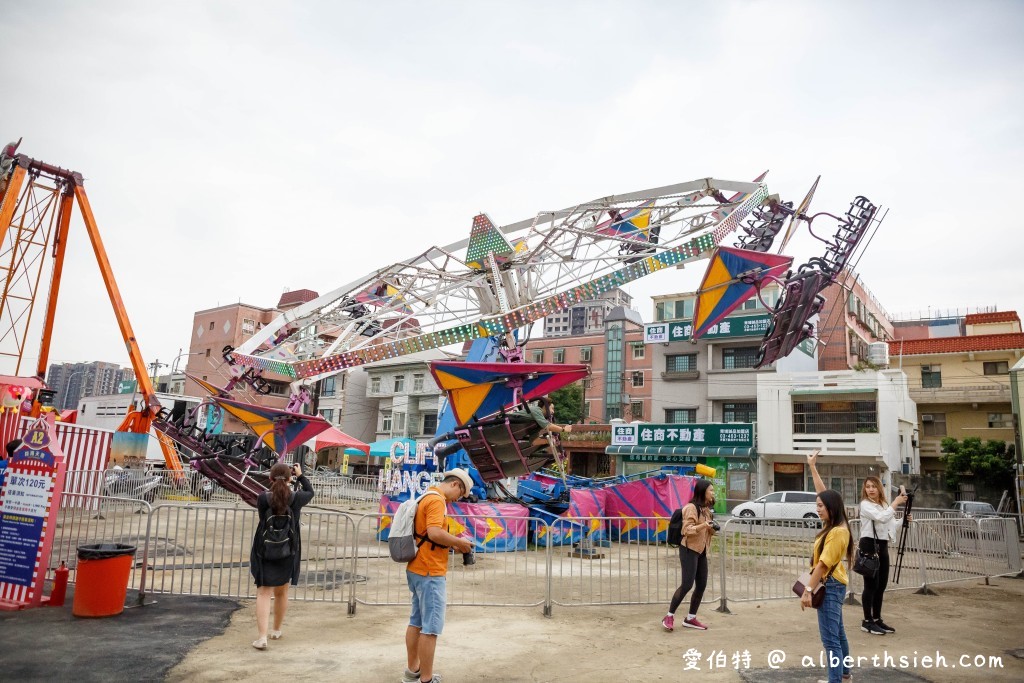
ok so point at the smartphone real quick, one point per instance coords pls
(903, 490)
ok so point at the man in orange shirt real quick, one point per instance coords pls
(426, 574)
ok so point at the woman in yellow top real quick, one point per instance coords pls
(831, 546)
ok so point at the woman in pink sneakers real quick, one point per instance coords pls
(698, 528)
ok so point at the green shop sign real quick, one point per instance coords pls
(739, 326)
(712, 435)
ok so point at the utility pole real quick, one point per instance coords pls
(155, 367)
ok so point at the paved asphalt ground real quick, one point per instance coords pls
(141, 644)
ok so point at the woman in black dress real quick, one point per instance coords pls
(273, 576)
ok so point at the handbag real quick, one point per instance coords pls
(818, 594)
(868, 564)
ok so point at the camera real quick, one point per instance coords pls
(715, 525)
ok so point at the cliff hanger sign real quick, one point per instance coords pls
(680, 330)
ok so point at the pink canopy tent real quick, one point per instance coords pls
(333, 436)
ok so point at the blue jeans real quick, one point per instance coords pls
(832, 631)
(429, 596)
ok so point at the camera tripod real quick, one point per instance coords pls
(904, 532)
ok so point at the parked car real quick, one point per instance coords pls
(784, 504)
(973, 508)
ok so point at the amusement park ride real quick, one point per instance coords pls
(488, 289)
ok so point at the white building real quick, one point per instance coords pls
(863, 422)
(109, 411)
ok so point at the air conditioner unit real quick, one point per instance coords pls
(925, 417)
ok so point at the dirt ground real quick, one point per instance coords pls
(627, 643)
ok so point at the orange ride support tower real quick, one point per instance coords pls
(35, 216)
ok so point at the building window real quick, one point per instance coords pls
(740, 357)
(429, 423)
(681, 416)
(636, 409)
(248, 326)
(537, 356)
(207, 353)
(375, 385)
(385, 423)
(211, 326)
(931, 377)
(588, 383)
(739, 412)
(1000, 367)
(674, 310)
(834, 417)
(399, 383)
(327, 414)
(558, 355)
(933, 424)
(638, 378)
(417, 382)
(327, 386)
(1000, 421)
(399, 423)
(277, 389)
(639, 350)
(586, 409)
(684, 362)
(585, 352)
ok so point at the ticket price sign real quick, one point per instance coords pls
(29, 500)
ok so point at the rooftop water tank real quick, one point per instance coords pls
(878, 354)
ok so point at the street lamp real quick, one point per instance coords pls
(181, 354)
(67, 388)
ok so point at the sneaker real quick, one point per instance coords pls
(884, 626)
(260, 643)
(411, 676)
(275, 635)
(436, 678)
(693, 623)
(669, 622)
(872, 628)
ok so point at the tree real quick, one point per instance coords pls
(991, 462)
(568, 402)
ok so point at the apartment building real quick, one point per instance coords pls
(863, 422)
(586, 317)
(849, 322)
(74, 381)
(712, 380)
(620, 381)
(215, 329)
(961, 384)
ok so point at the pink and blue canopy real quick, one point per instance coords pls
(732, 277)
(482, 389)
(278, 429)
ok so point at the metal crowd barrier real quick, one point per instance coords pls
(203, 549)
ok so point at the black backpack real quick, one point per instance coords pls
(675, 529)
(278, 541)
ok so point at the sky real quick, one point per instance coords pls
(235, 150)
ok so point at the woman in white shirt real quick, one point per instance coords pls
(877, 527)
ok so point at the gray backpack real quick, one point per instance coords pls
(403, 543)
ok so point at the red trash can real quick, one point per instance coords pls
(101, 579)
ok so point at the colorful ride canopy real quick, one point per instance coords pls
(733, 276)
(278, 429)
(479, 390)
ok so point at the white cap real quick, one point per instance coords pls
(463, 475)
